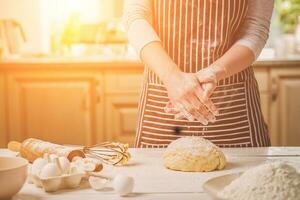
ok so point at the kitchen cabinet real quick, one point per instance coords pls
(88, 102)
(121, 118)
(69, 102)
(285, 106)
(123, 81)
(262, 77)
(121, 104)
(60, 107)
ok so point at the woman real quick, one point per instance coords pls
(198, 75)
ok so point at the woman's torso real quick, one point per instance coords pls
(195, 33)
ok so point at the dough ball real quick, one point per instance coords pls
(193, 154)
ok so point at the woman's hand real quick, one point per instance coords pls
(204, 82)
(208, 80)
(189, 97)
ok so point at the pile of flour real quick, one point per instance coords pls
(271, 181)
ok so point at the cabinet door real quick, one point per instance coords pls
(3, 131)
(123, 82)
(121, 118)
(262, 77)
(285, 106)
(60, 107)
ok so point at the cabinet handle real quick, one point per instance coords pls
(274, 89)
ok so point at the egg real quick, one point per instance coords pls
(98, 183)
(74, 169)
(77, 159)
(63, 164)
(89, 167)
(88, 164)
(123, 185)
(92, 164)
(50, 157)
(37, 166)
(50, 170)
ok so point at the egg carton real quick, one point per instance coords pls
(53, 173)
(52, 184)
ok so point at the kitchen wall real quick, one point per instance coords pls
(39, 17)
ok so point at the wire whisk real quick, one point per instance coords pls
(112, 153)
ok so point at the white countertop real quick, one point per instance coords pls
(153, 181)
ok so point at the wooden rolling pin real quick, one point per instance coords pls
(32, 149)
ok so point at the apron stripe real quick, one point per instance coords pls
(221, 35)
(197, 55)
(185, 47)
(191, 39)
(204, 21)
(174, 35)
(179, 32)
(214, 45)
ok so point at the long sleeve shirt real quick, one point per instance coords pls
(138, 18)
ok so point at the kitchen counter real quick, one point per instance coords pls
(96, 62)
(153, 181)
(70, 63)
(278, 62)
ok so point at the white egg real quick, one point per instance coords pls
(50, 157)
(50, 170)
(63, 164)
(91, 160)
(98, 183)
(77, 159)
(89, 167)
(37, 166)
(46, 156)
(92, 165)
(74, 169)
(123, 185)
(77, 167)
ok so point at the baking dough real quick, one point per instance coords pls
(193, 154)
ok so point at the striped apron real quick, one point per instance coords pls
(195, 33)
